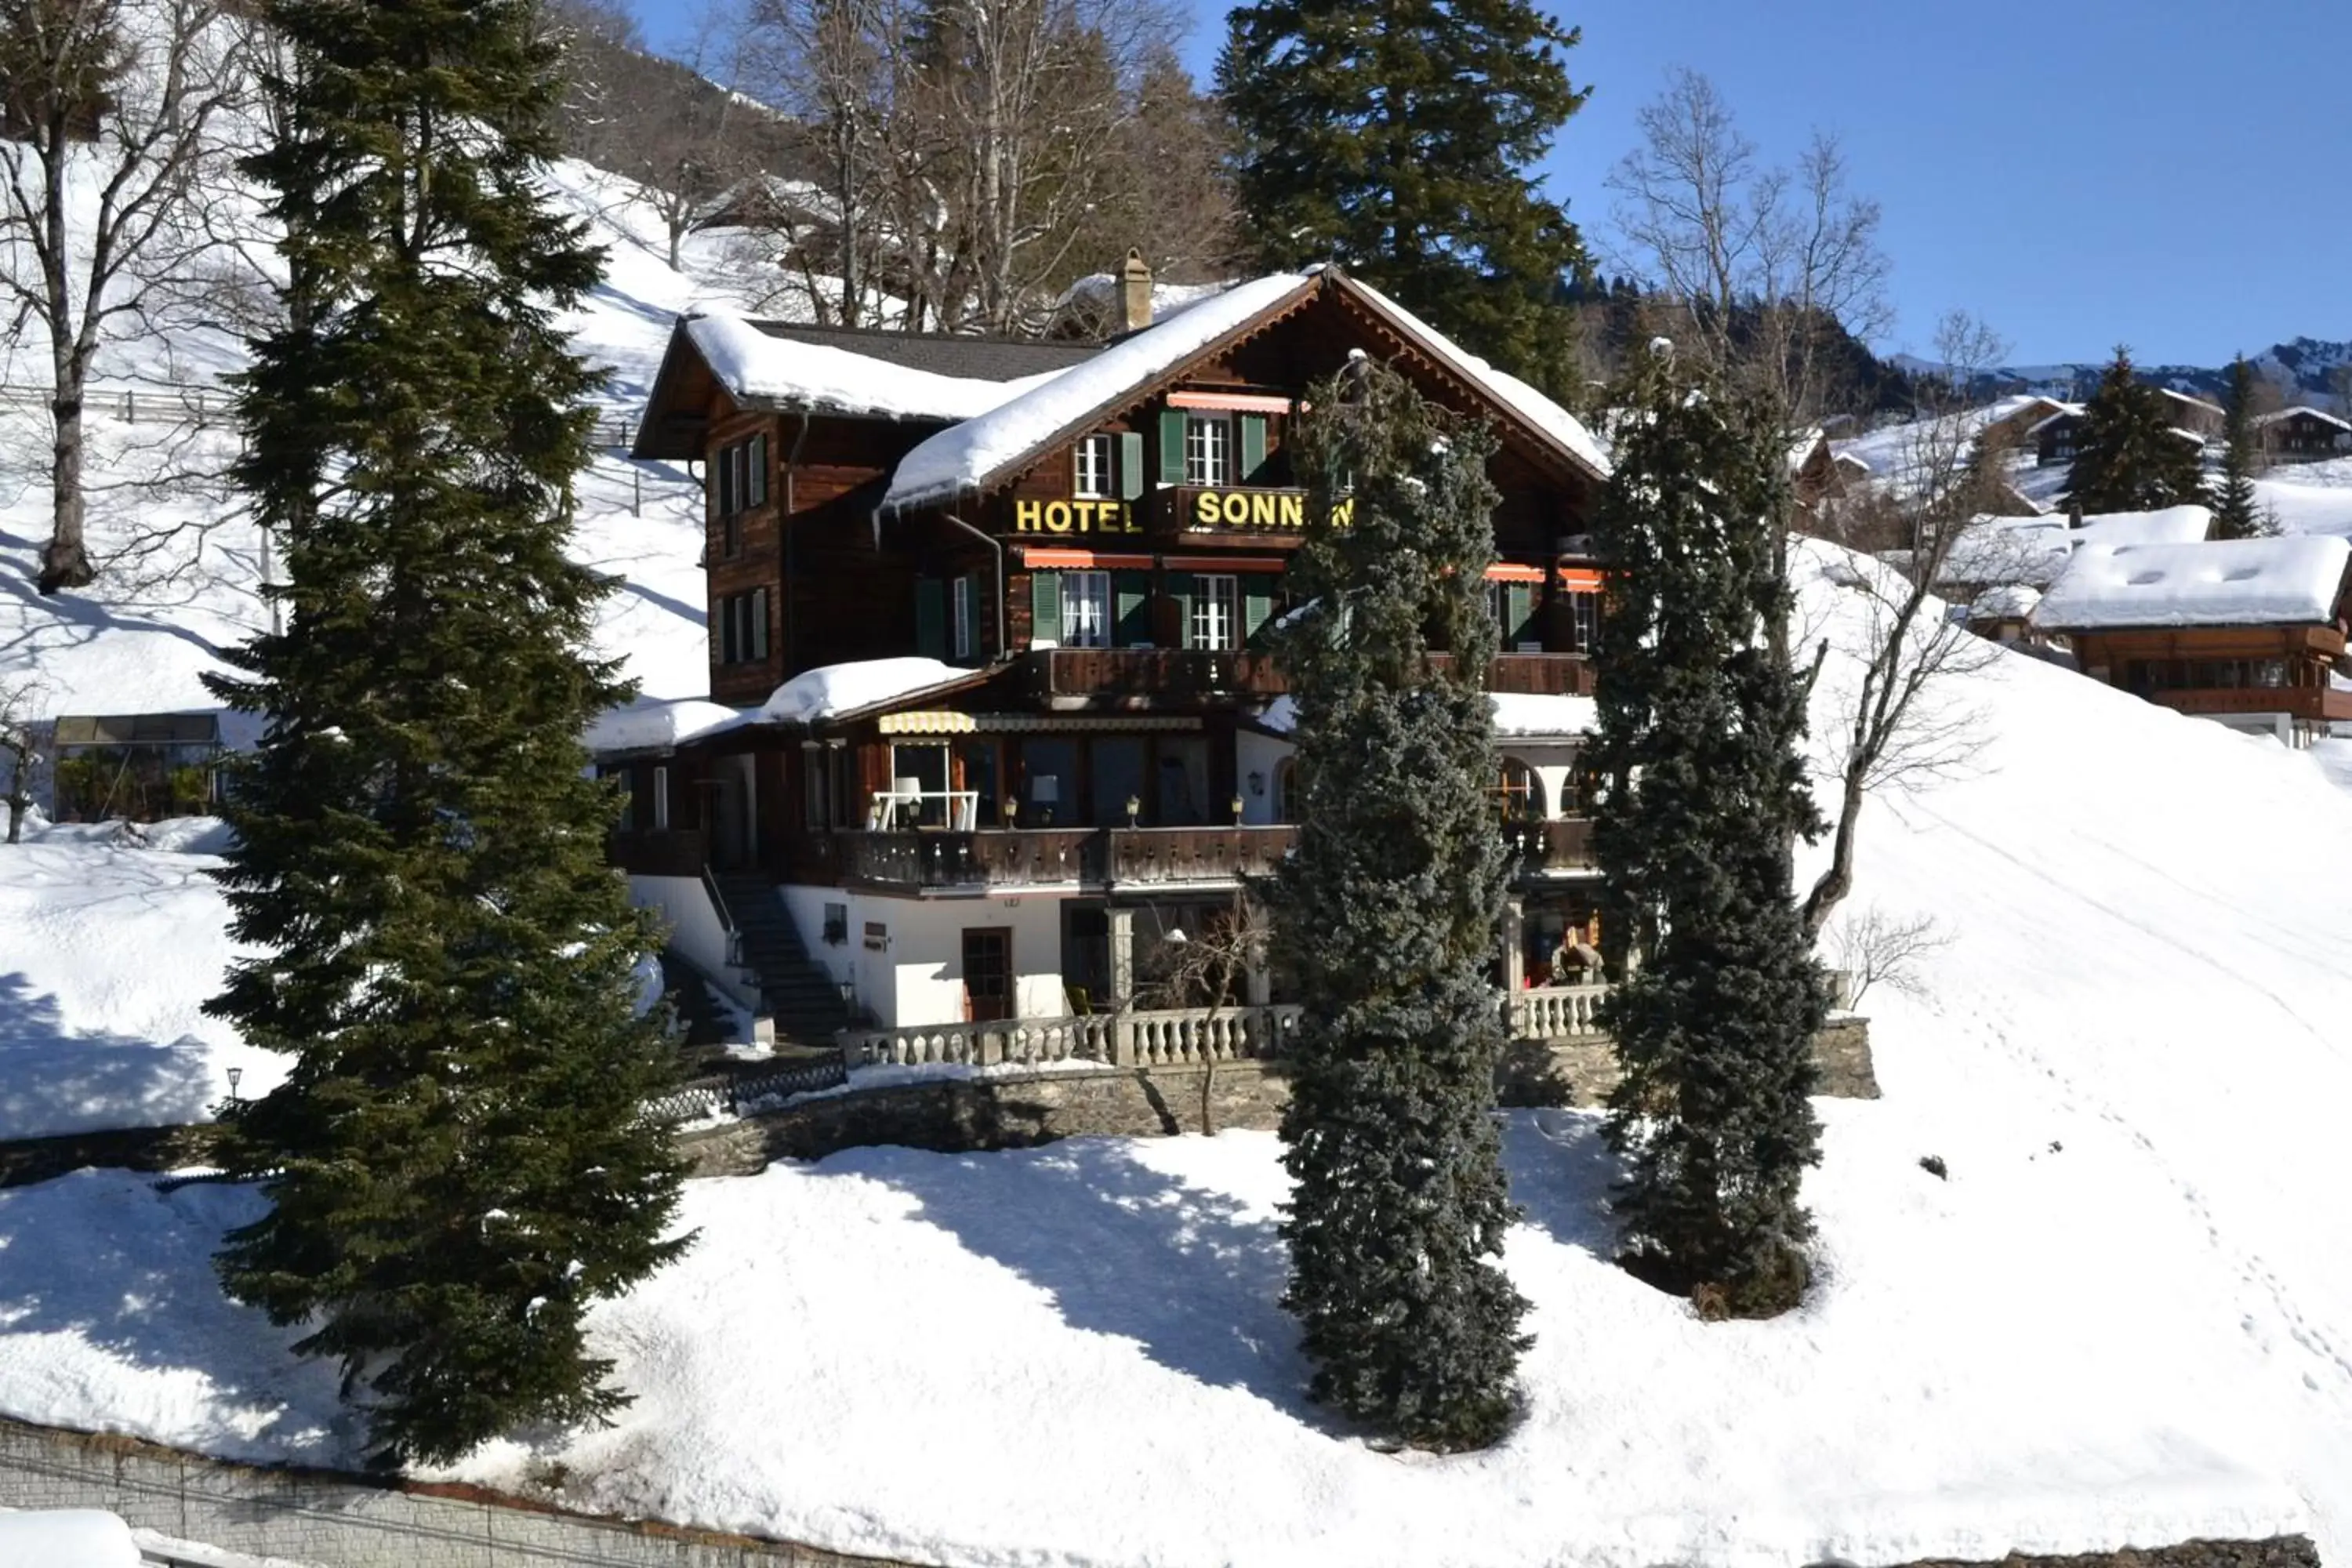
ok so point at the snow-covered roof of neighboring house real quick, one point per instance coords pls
(1999, 549)
(1516, 713)
(1854, 460)
(2171, 525)
(2303, 413)
(2071, 411)
(2010, 601)
(844, 690)
(1098, 292)
(779, 370)
(660, 726)
(2200, 405)
(2294, 581)
(965, 456)
(1802, 445)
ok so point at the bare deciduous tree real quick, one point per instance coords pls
(107, 158)
(1211, 964)
(1763, 263)
(21, 699)
(1900, 723)
(1872, 947)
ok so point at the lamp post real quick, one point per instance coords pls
(235, 1074)
(1134, 809)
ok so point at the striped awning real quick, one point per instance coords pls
(931, 722)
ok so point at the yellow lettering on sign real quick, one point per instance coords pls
(1058, 517)
(1025, 517)
(1237, 510)
(1261, 509)
(1293, 511)
(1204, 508)
(1344, 513)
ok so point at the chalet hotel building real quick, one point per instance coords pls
(989, 716)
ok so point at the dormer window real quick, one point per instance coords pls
(1093, 479)
(1207, 451)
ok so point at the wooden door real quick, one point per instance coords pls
(987, 974)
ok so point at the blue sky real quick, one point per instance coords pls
(2176, 175)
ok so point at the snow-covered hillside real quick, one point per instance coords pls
(180, 585)
(2124, 1315)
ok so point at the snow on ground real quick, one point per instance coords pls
(67, 1538)
(108, 951)
(2126, 1316)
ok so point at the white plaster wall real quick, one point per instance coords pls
(918, 977)
(694, 930)
(1263, 755)
(1555, 766)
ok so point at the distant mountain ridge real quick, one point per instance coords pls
(2305, 371)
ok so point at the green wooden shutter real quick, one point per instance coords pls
(967, 592)
(1253, 447)
(1130, 464)
(758, 624)
(1171, 446)
(1519, 609)
(1044, 608)
(1257, 604)
(1181, 586)
(930, 617)
(1131, 601)
(756, 472)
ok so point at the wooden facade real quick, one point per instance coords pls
(1110, 593)
(2305, 435)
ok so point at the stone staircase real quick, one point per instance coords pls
(794, 989)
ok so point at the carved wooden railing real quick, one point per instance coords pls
(987, 859)
(1152, 672)
(1132, 855)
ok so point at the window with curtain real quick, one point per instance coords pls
(1086, 609)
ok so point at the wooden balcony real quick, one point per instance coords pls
(1163, 856)
(1542, 675)
(963, 862)
(2313, 703)
(1558, 848)
(1152, 672)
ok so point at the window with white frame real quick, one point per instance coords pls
(1207, 450)
(1583, 621)
(1086, 609)
(1093, 479)
(1213, 616)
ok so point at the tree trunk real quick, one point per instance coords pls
(1834, 884)
(65, 560)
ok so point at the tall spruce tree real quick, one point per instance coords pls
(1703, 795)
(2128, 456)
(2237, 512)
(1386, 916)
(1397, 138)
(458, 1163)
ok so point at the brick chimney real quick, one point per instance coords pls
(1134, 293)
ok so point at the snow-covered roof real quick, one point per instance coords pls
(1099, 291)
(1517, 395)
(2323, 417)
(762, 371)
(1994, 550)
(1802, 445)
(2294, 581)
(1516, 713)
(2171, 525)
(2010, 601)
(655, 725)
(964, 456)
(837, 689)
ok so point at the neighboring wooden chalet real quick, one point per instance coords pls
(2303, 436)
(2249, 632)
(2010, 424)
(991, 714)
(1816, 473)
(2054, 439)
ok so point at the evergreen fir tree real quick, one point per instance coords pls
(1397, 139)
(1703, 795)
(1385, 918)
(2127, 457)
(458, 1163)
(2237, 512)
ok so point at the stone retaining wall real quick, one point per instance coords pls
(957, 1115)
